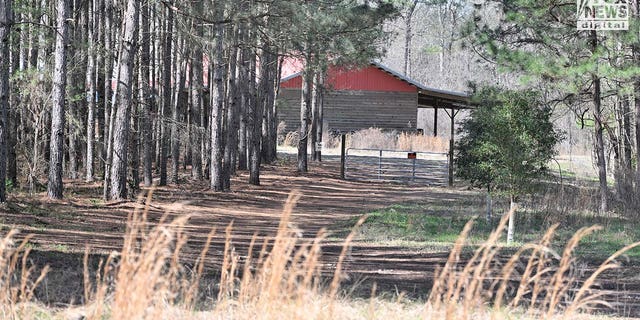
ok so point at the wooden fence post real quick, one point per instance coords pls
(343, 148)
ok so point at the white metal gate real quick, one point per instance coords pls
(430, 168)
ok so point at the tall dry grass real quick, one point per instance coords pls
(281, 278)
(375, 138)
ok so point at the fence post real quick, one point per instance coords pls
(413, 170)
(342, 155)
(380, 166)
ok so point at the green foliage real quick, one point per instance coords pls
(540, 41)
(508, 141)
(342, 32)
(9, 186)
(418, 223)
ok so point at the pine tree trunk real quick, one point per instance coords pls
(216, 171)
(243, 105)
(54, 188)
(144, 95)
(109, 57)
(233, 117)
(270, 125)
(166, 96)
(180, 63)
(255, 120)
(14, 114)
(91, 90)
(124, 97)
(244, 98)
(305, 102)
(635, 48)
(408, 36)
(626, 139)
(314, 117)
(196, 102)
(319, 115)
(73, 150)
(5, 28)
(33, 37)
(599, 143)
(134, 136)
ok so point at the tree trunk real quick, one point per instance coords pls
(144, 95)
(231, 147)
(243, 105)
(33, 37)
(597, 114)
(320, 115)
(626, 140)
(408, 36)
(91, 90)
(72, 129)
(217, 101)
(13, 114)
(108, 81)
(54, 188)
(244, 99)
(305, 102)
(181, 66)
(635, 48)
(5, 28)
(166, 95)
(124, 95)
(196, 101)
(313, 133)
(270, 126)
(255, 120)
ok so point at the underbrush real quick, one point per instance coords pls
(285, 277)
(375, 138)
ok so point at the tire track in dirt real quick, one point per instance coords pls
(327, 201)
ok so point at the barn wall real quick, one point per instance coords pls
(355, 110)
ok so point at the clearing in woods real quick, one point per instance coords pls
(62, 229)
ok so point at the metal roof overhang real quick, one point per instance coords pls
(432, 99)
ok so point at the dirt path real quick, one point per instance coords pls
(68, 226)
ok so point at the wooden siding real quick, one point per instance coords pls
(355, 110)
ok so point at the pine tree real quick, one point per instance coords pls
(55, 187)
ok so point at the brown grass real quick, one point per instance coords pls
(375, 138)
(281, 279)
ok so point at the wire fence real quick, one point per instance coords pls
(427, 168)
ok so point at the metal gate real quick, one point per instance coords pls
(430, 168)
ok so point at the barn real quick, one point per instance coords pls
(372, 96)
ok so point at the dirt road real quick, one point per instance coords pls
(66, 227)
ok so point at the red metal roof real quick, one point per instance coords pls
(369, 78)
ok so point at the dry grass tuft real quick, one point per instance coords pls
(281, 278)
(375, 138)
(17, 278)
(535, 282)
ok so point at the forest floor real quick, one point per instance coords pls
(63, 229)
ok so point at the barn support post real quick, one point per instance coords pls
(452, 116)
(343, 148)
(413, 169)
(435, 121)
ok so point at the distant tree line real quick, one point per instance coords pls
(130, 91)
